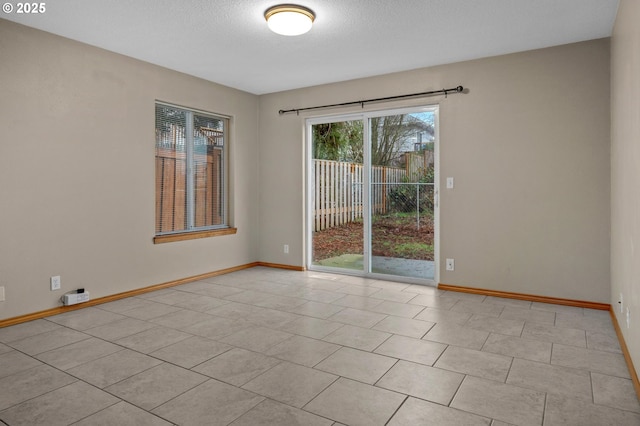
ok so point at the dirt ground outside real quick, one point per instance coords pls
(392, 236)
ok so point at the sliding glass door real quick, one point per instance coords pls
(372, 207)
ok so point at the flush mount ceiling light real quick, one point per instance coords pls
(289, 19)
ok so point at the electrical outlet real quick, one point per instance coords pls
(621, 303)
(1, 293)
(286, 248)
(628, 317)
(450, 264)
(55, 283)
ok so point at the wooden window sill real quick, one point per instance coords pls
(161, 239)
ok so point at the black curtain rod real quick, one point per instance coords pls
(445, 92)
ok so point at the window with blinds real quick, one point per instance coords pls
(190, 170)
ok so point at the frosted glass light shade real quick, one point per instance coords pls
(289, 20)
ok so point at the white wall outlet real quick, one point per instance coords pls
(450, 265)
(449, 183)
(286, 248)
(621, 303)
(55, 283)
(1, 293)
(628, 318)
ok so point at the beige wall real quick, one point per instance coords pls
(77, 171)
(625, 171)
(528, 147)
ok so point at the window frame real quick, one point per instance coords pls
(192, 231)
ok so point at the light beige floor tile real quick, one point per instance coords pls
(119, 329)
(566, 411)
(391, 285)
(280, 302)
(433, 301)
(218, 327)
(511, 404)
(155, 293)
(291, 384)
(614, 392)
(358, 290)
(150, 311)
(356, 403)
(398, 309)
(496, 325)
(404, 326)
(358, 302)
(393, 295)
(452, 334)
(249, 297)
(475, 363)
(61, 407)
(181, 319)
(597, 313)
(47, 341)
(233, 310)
(271, 318)
(190, 352)
(417, 412)
(201, 303)
(517, 347)
(555, 308)
(357, 317)
(415, 350)
(85, 318)
(14, 362)
(212, 403)
(507, 302)
(357, 337)
(321, 296)
(26, 329)
(439, 315)
(421, 381)
(316, 309)
(359, 281)
(467, 297)
(549, 333)
(237, 366)
(78, 353)
(528, 315)
(583, 322)
(478, 308)
(4, 348)
(123, 305)
(156, 385)
(153, 339)
(311, 327)
(357, 365)
(113, 368)
(269, 413)
(603, 342)
(422, 289)
(31, 383)
(258, 339)
(302, 350)
(215, 290)
(174, 297)
(588, 359)
(499, 423)
(122, 414)
(551, 379)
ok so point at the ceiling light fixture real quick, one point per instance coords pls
(289, 19)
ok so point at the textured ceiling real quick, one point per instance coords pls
(228, 42)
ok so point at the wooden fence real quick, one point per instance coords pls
(338, 191)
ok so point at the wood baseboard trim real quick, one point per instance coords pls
(527, 297)
(118, 296)
(281, 266)
(625, 352)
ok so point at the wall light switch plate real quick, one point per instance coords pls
(55, 283)
(449, 183)
(450, 265)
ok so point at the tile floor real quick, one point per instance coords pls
(271, 347)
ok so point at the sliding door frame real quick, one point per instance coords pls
(365, 117)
